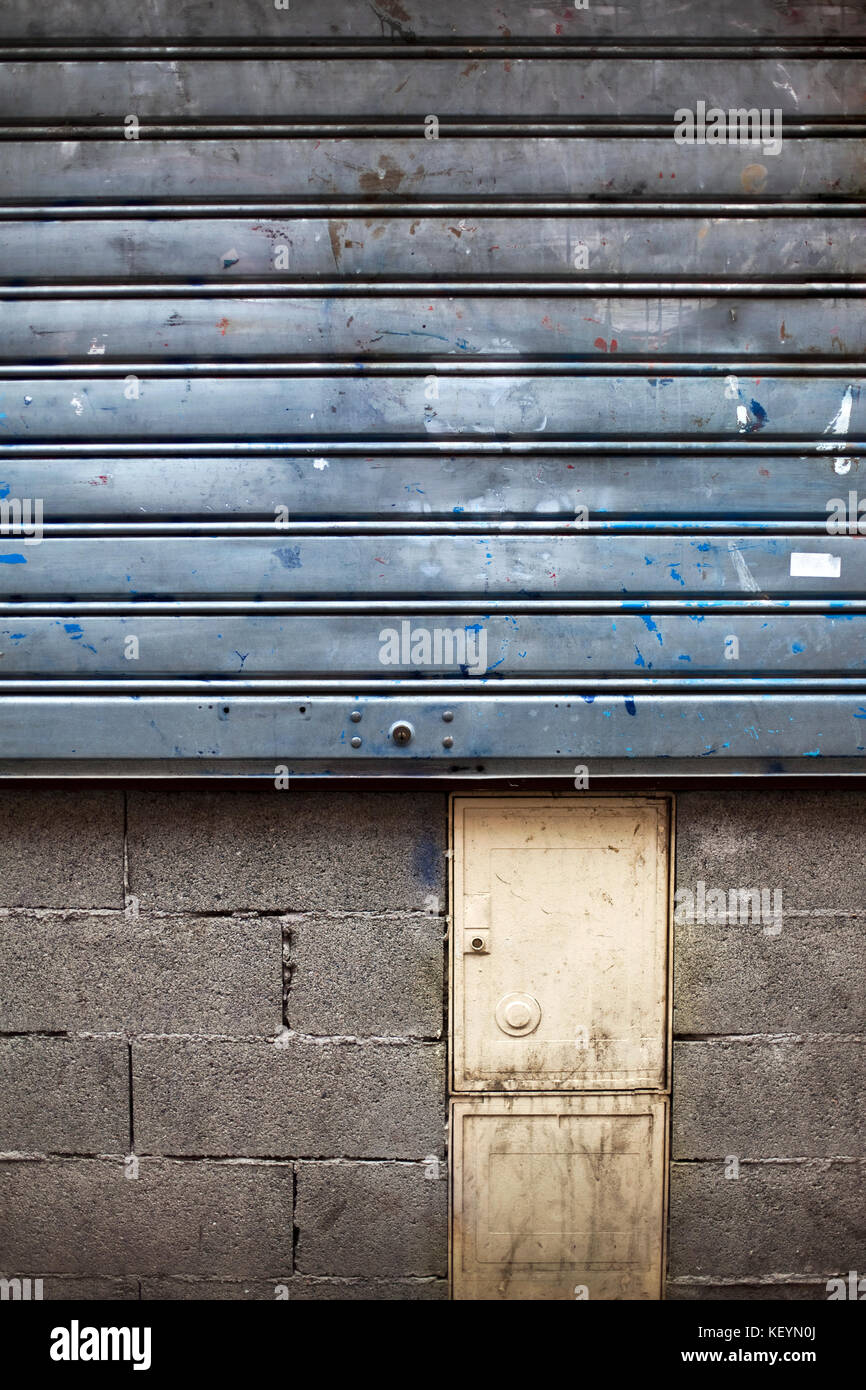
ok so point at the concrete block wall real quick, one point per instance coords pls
(222, 1059)
(768, 1178)
(222, 1069)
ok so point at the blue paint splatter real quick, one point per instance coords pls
(13, 559)
(427, 856)
(651, 627)
(289, 557)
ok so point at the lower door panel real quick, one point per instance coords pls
(558, 1197)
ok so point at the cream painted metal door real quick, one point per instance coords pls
(559, 1016)
(560, 944)
(558, 1197)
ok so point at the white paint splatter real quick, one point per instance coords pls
(320, 463)
(744, 574)
(77, 405)
(842, 419)
(640, 316)
(786, 87)
(840, 424)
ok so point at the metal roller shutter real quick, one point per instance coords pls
(331, 445)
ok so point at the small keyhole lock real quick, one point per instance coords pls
(476, 942)
(402, 733)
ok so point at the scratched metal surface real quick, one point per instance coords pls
(530, 166)
(226, 329)
(293, 383)
(106, 487)
(165, 247)
(441, 566)
(607, 647)
(248, 20)
(294, 403)
(163, 91)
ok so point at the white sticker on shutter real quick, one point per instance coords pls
(814, 564)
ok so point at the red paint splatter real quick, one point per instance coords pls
(600, 344)
(100, 481)
(222, 326)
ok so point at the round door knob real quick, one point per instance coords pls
(518, 1014)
